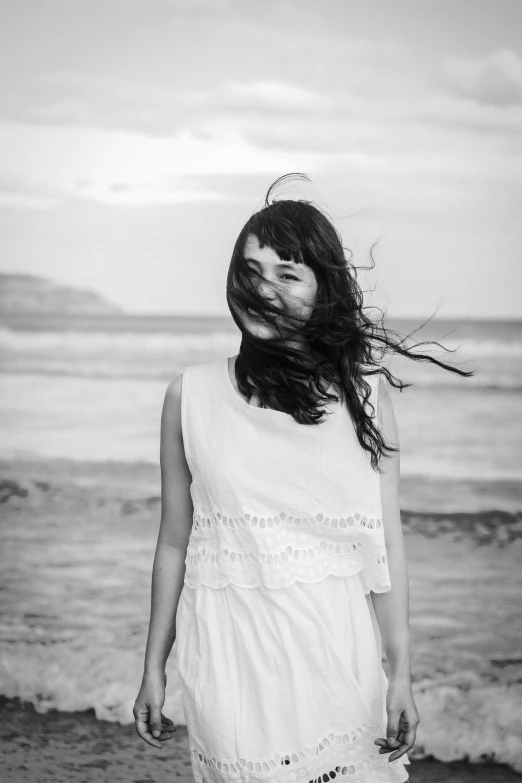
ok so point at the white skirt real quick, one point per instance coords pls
(284, 684)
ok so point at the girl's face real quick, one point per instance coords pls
(291, 287)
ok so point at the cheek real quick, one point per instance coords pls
(302, 300)
(309, 294)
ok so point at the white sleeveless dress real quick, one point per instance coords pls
(277, 643)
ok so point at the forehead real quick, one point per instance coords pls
(265, 255)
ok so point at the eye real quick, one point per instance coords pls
(293, 277)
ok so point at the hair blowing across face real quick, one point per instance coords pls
(333, 349)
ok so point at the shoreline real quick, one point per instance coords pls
(68, 747)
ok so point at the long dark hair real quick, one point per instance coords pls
(344, 344)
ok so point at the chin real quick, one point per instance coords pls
(263, 331)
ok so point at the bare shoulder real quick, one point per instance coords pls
(172, 403)
(390, 466)
(173, 391)
(386, 413)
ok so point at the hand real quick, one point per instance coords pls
(148, 718)
(403, 720)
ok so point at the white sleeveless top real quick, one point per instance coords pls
(276, 501)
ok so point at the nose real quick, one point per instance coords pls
(266, 289)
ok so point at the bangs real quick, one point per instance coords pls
(279, 232)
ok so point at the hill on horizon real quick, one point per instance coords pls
(25, 293)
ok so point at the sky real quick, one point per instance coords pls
(138, 136)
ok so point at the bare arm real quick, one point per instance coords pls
(176, 521)
(167, 572)
(392, 607)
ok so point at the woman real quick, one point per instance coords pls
(280, 567)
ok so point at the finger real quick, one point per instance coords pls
(409, 742)
(141, 716)
(398, 752)
(142, 726)
(168, 729)
(155, 721)
(383, 746)
(407, 728)
(144, 733)
(392, 729)
(167, 722)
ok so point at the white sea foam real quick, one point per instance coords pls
(462, 716)
(465, 718)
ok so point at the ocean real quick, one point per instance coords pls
(81, 399)
(65, 380)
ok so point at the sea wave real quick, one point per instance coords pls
(157, 355)
(468, 349)
(464, 716)
(100, 339)
(496, 527)
(471, 347)
(57, 368)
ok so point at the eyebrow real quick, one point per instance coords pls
(282, 265)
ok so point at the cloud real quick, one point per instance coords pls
(131, 193)
(254, 66)
(92, 101)
(494, 81)
(269, 114)
(19, 191)
(467, 114)
(110, 166)
(83, 100)
(195, 6)
(475, 95)
(180, 6)
(303, 101)
(271, 96)
(270, 117)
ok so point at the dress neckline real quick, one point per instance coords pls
(240, 402)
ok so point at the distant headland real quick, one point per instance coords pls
(31, 294)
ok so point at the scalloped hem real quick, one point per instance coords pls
(337, 757)
(219, 581)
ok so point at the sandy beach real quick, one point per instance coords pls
(79, 539)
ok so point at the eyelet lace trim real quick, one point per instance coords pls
(275, 551)
(202, 522)
(288, 554)
(336, 757)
